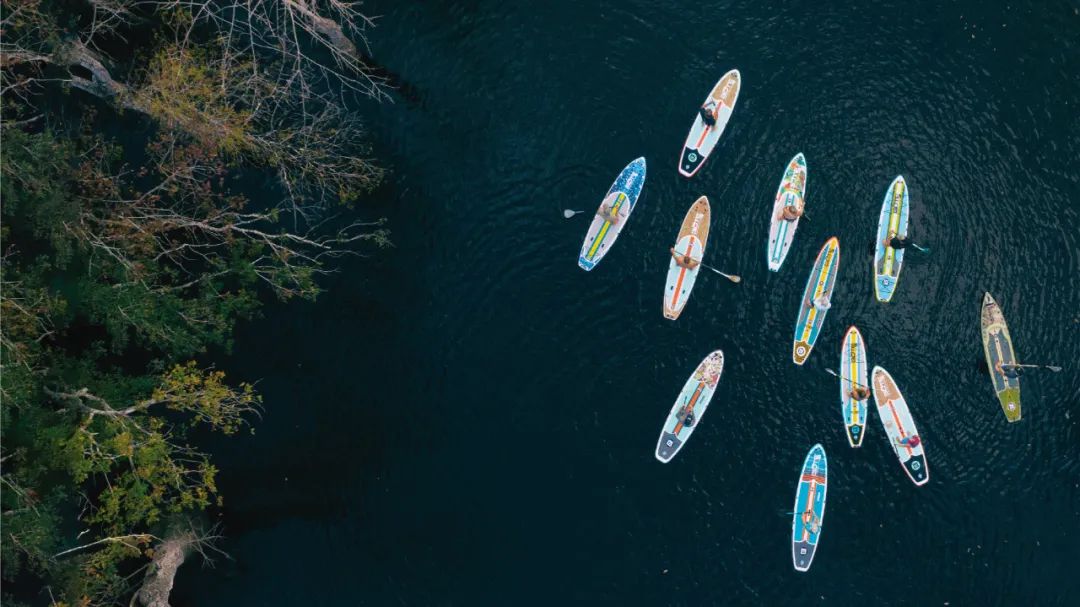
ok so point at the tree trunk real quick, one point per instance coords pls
(168, 556)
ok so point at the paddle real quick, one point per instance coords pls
(1051, 367)
(920, 249)
(834, 374)
(568, 213)
(732, 277)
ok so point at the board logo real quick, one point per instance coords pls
(696, 223)
(692, 157)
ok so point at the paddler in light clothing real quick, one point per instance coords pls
(608, 212)
(820, 303)
(684, 260)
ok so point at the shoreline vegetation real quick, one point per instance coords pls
(137, 141)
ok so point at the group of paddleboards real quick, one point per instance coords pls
(857, 383)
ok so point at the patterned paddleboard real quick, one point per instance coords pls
(896, 419)
(791, 193)
(809, 511)
(702, 138)
(853, 373)
(998, 346)
(820, 283)
(622, 197)
(692, 238)
(892, 222)
(693, 400)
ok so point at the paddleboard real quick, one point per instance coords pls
(998, 346)
(692, 238)
(820, 283)
(893, 221)
(853, 373)
(791, 193)
(809, 511)
(693, 400)
(622, 196)
(896, 419)
(702, 138)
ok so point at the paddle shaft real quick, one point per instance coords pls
(834, 374)
(1015, 365)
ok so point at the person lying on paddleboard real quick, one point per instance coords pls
(608, 213)
(790, 212)
(706, 113)
(859, 393)
(684, 261)
(909, 441)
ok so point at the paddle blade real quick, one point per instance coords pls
(733, 278)
(1053, 368)
(568, 213)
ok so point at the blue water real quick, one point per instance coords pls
(470, 419)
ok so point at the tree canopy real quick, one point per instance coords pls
(131, 130)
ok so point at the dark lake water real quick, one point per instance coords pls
(470, 419)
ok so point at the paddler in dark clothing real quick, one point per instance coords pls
(706, 113)
(686, 416)
(1009, 371)
(897, 242)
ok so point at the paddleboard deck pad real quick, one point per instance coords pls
(692, 238)
(893, 221)
(693, 400)
(819, 285)
(621, 197)
(791, 193)
(998, 347)
(852, 374)
(896, 419)
(702, 138)
(809, 511)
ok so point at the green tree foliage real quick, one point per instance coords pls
(129, 252)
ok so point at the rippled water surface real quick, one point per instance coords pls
(470, 419)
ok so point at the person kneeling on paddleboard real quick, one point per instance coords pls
(684, 261)
(910, 441)
(706, 113)
(790, 212)
(859, 393)
(687, 416)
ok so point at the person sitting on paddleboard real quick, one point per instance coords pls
(609, 213)
(1010, 371)
(859, 393)
(687, 417)
(684, 261)
(910, 441)
(706, 113)
(897, 242)
(790, 212)
(821, 302)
